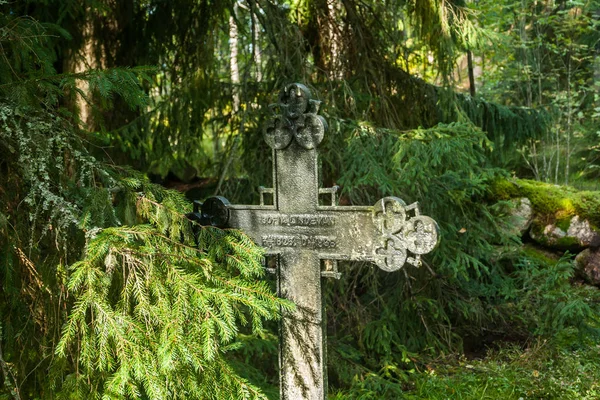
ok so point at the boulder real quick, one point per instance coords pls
(575, 235)
(583, 232)
(588, 265)
(520, 216)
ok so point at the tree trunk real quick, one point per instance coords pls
(233, 61)
(78, 61)
(569, 119)
(255, 46)
(471, 74)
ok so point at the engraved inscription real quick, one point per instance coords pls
(297, 220)
(310, 242)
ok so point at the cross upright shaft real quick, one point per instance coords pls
(296, 175)
(301, 233)
(302, 355)
(302, 352)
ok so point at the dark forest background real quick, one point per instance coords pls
(116, 114)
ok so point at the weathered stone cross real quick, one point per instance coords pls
(302, 233)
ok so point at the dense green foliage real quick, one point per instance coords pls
(106, 288)
(476, 284)
(548, 59)
(108, 291)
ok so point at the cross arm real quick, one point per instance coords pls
(388, 234)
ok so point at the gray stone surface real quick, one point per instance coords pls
(583, 232)
(521, 216)
(548, 235)
(588, 265)
(554, 231)
(301, 233)
(578, 236)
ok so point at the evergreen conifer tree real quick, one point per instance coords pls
(106, 288)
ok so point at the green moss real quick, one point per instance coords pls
(547, 199)
(503, 189)
(589, 204)
(567, 243)
(557, 203)
(544, 257)
(563, 223)
(543, 370)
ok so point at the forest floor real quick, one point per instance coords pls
(545, 369)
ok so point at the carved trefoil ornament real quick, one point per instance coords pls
(297, 119)
(402, 234)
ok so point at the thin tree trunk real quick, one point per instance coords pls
(569, 120)
(255, 47)
(557, 151)
(233, 61)
(82, 60)
(215, 136)
(334, 10)
(545, 167)
(482, 76)
(235, 93)
(529, 87)
(471, 75)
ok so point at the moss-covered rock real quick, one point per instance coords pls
(553, 236)
(565, 218)
(520, 216)
(560, 203)
(584, 232)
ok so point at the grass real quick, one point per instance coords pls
(544, 370)
(557, 369)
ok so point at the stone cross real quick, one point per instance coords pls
(302, 233)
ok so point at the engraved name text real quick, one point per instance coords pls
(311, 242)
(297, 220)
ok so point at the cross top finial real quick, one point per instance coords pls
(297, 119)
